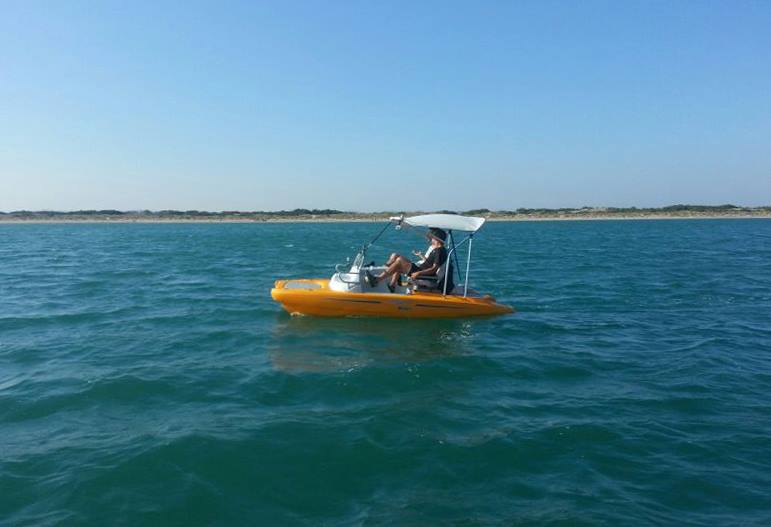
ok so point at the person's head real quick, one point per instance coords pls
(437, 236)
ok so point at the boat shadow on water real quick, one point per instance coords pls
(300, 344)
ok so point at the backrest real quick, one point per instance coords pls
(436, 282)
(445, 271)
(440, 271)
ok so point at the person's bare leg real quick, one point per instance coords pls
(405, 266)
(390, 270)
(392, 259)
(401, 265)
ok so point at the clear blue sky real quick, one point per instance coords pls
(383, 105)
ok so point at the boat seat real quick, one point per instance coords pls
(435, 282)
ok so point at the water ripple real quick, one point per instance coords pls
(147, 378)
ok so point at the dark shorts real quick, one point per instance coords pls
(413, 268)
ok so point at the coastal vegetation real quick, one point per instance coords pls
(111, 215)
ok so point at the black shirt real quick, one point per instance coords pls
(437, 257)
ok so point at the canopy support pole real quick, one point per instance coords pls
(452, 250)
(447, 264)
(468, 265)
(379, 234)
(456, 267)
(444, 289)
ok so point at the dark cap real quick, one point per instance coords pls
(437, 233)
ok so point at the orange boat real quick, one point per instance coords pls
(347, 293)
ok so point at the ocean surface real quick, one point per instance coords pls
(147, 378)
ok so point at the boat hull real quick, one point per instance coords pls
(315, 298)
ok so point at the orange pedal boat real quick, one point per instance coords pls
(347, 294)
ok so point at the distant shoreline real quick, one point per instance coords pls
(371, 219)
(671, 212)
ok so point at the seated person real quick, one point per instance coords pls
(397, 264)
(419, 255)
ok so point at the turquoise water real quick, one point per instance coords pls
(146, 378)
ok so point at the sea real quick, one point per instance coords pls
(147, 378)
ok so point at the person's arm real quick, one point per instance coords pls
(428, 271)
(434, 261)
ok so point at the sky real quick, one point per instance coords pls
(371, 106)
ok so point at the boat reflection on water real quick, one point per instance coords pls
(311, 344)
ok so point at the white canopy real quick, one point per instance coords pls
(449, 222)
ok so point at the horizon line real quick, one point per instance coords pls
(328, 211)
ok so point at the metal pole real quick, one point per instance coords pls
(379, 234)
(456, 267)
(468, 264)
(454, 250)
(447, 265)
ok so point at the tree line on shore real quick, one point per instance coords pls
(331, 213)
(168, 213)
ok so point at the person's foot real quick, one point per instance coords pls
(370, 279)
(391, 287)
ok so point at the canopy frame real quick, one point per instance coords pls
(453, 252)
(449, 222)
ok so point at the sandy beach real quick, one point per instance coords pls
(364, 217)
